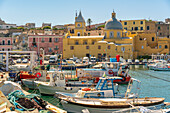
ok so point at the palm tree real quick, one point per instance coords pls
(89, 21)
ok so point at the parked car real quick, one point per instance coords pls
(18, 61)
(25, 61)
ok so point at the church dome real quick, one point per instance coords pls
(113, 23)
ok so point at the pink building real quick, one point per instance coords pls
(50, 43)
(6, 43)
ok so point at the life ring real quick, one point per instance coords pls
(110, 72)
(123, 79)
(38, 75)
(86, 89)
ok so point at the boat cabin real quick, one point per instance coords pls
(57, 78)
(105, 88)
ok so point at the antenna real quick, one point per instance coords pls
(76, 13)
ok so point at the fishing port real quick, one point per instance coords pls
(93, 60)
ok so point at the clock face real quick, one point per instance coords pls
(78, 25)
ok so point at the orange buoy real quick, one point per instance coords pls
(86, 89)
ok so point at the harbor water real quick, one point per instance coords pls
(153, 84)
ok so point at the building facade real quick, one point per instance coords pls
(129, 39)
(6, 43)
(51, 44)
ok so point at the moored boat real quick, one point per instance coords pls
(103, 98)
(109, 68)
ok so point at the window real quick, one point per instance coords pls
(50, 49)
(56, 48)
(147, 28)
(42, 39)
(134, 22)
(76, 42)
(125, 28)
(85, 42)
(8, 49)
(88, 34)
(140, 38)
(71, 47)
(108, 47)
(160, 33)
(111, 34)
(123, 49)
(9, 42)
(105, 35)
(142, 47)
(141, 22)
(33, 39)
(125, 23)
(99, 47)
(166, 46)
(78, 34)
(160, 46)
(56, 39)
(93, 42)
(87, 47)
(132, 28)
(3, 42)
(136, 28)
(50, 39)
(141, 28)
(153, 38)
(159, 27)
(14, 41)
(118, 34)
(3, 49)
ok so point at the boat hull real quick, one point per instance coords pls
(51, 90)
(78, 107)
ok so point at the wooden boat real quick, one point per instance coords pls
(103, 98)
(109, 68)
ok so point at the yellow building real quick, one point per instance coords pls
(116, 40)
(139, 26)
(78, 44)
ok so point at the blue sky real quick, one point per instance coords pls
(60, 12)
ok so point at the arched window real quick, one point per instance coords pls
(3, 42)
(105, 35)
(9, 42)
(78, 34)
(166, 46)
(111, 34)
(118, 34)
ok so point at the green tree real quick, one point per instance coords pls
(89, 21)
(20, 28)
(46, 27)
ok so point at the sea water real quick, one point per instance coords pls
(153, 84)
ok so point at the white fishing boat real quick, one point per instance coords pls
(59, 83)
(162, 68)
(156, 63)
(103, 98)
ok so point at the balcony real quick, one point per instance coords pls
(56, 48)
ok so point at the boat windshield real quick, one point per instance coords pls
(105, 85)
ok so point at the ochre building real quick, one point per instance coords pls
(116, 40)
